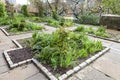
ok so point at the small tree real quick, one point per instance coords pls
(2, 10)
(113, 5)
(24, 10)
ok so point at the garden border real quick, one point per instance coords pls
(104, 38)
(44, 70)
(71, 71)
(11, 64)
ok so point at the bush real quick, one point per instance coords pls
(5, 21)
(2, 10)
(24, 10)
(90, 30)
(24, 26)
(80, 29)
(101, 31)
(68, 23)
(62, 48)
(89, 19)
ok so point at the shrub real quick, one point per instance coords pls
(90, 30)
(2, 10)
(24, 26)
(101, 31)
(68, 23)
(80, 29)
(24, 10)
(89, 19)
(62, 48)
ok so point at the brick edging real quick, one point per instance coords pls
(71, 71)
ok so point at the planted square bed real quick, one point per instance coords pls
(21, 27)
(99, 33)
(61, 53)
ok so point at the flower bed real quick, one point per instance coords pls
(21, 27)
(59, 54)
(99, 33)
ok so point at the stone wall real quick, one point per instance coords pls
(111, 21)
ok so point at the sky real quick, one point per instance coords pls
(21, 1)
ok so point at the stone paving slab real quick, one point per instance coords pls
(2, 61)
(20, 73)
(38, 76)
(96, 75)
(3, 69)
(89, 73)
(109, 64)
(21, 36)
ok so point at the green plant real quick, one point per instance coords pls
(80, 29)
(90, 30)
(101, 31)
(62, 48)
(89, 19)
(20, 26)
(54, 23)
(24, 10)
(68, 23)
(2, 10)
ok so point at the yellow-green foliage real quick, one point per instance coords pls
(62, 48)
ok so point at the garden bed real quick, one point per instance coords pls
(21, 27)
(99, 33)
(24, 55)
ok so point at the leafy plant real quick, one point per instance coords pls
(101, 32)
(2, 10)
(62, 48)
(80, 29)
(20, 26)
(90, 30)
(89, 19)
(24, 10)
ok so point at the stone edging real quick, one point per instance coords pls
(72, 71)
(11, 64)
(4, 31)
(7, 57)
(16, 43)
(103, 38)
(44, 70)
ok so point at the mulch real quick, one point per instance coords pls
(21, 54)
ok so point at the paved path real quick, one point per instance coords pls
(107, 67)
(104, 68)
(25, 72)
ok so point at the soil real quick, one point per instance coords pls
(21, 54)
(59, 71)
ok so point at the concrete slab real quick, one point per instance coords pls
(96, 75)
(3, 69)
(20, 73)
(109, 64)
(2, 61)
(38, 76)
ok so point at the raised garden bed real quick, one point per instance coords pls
(100, 33)
(22, 28)
(82, 51)
(19, 56)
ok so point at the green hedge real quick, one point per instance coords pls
(89, 19)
